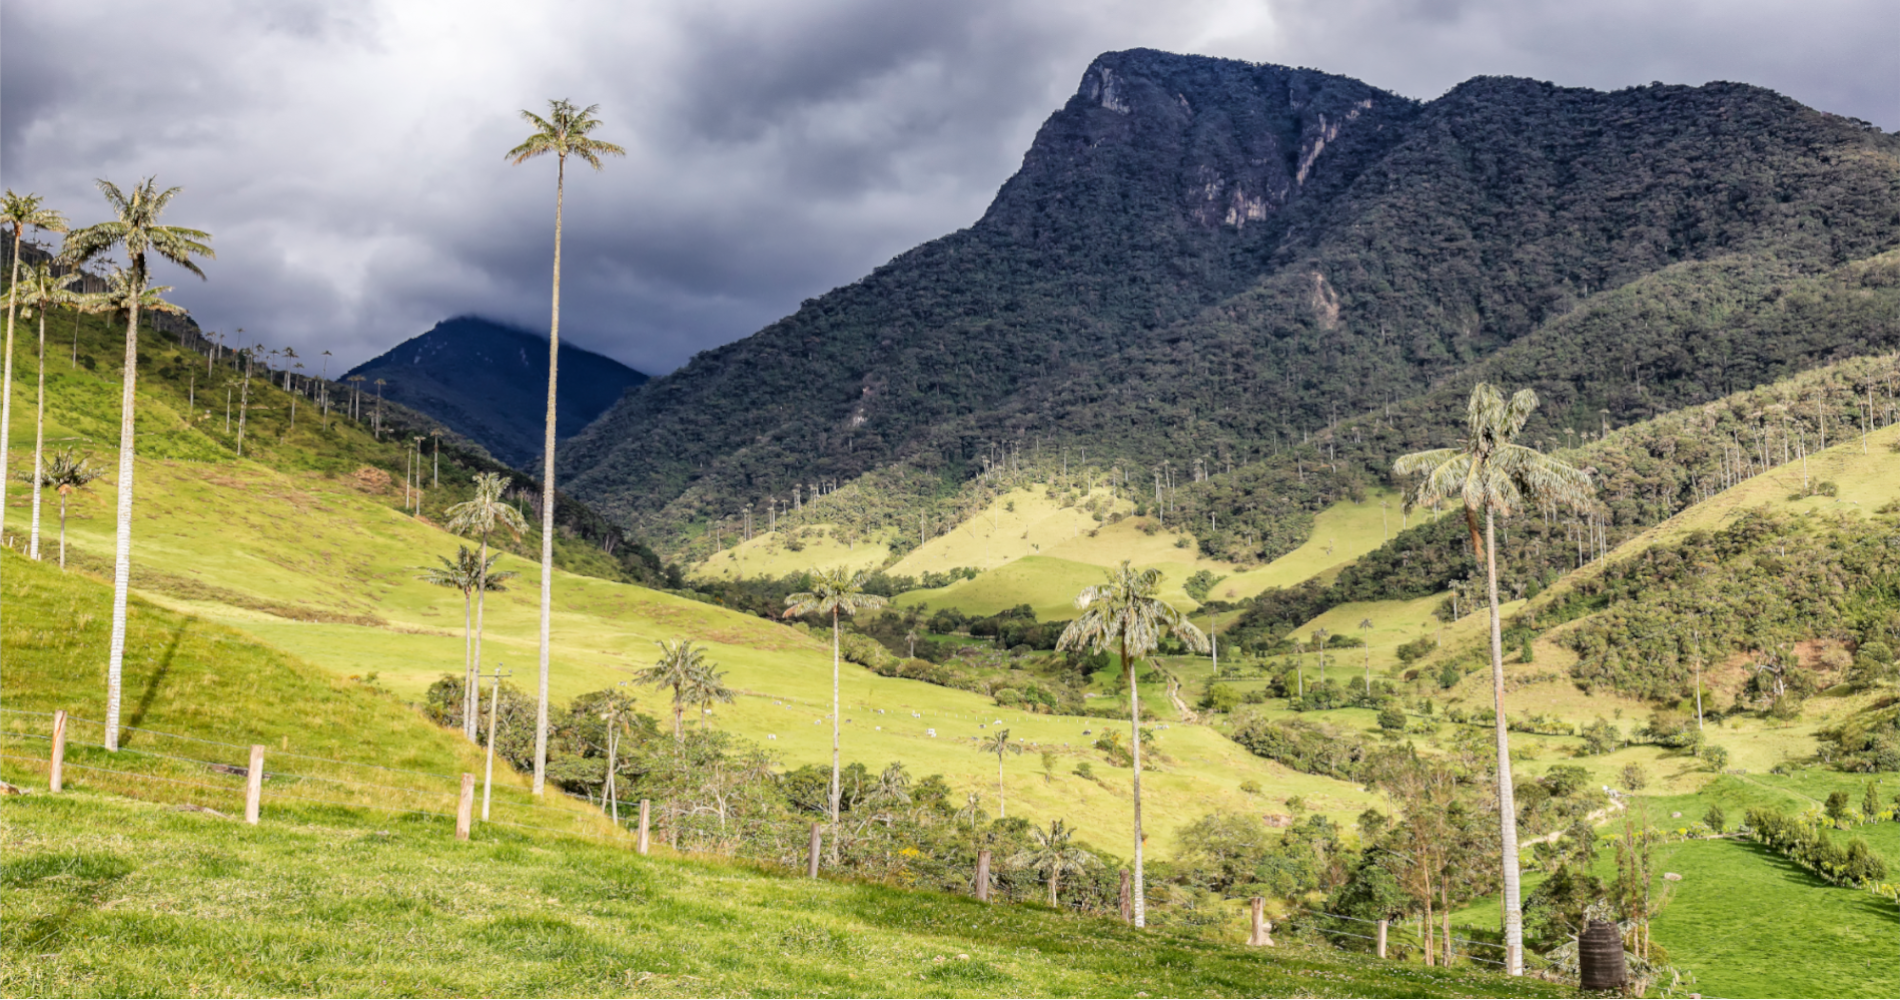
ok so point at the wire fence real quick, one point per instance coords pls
(1395, 929)
(148, 772)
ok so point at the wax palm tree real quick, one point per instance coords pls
(563, 133)
(19, 211)
(468, 572)
(999, 744)
(682, 666)
(1320, 636)
(67, 472)
(1365, 629)
(709, 689)
(1490, 473)
(482, 514)
(136, 228)
(833, 592)
(38, 290)
(616, 716)
(1124, 616)
(1053, 855)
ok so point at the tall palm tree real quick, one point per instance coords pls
(482, 514)
(833, 592)
(564, 133)
(1125, 616)
(708, 688)
(38, 291)
(1053, 855)
(66, 473)
(135, 228)
(468, 572)
(18, 211)
(1365, 629)
(682, 667)
(1490, 473)
(999, 744)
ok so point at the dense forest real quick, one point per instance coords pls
(1206, 263)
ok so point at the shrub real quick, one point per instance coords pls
(1391, 719)
(1717, 757)
(1635, 777)
(1715, 818)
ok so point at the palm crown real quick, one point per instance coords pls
(836, 591)
(683, 667)
(467, 572)
(137, 230)
(1125, 614)
(564, 133)
(486, 511)
(23, 210)
(1490, 472)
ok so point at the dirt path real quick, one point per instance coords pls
(1596, 818)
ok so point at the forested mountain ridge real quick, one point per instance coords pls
(1210, 258)
(488, 381)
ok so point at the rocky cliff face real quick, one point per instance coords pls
(1203, 256)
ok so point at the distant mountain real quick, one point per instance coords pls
(1206, 259)
(489, 382)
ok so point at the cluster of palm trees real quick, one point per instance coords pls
(135, 229)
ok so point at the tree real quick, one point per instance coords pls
(1053, 856)
(1365, 627)
(19, 211)
(1125, 616)
(39, 291)
(833, 592)
(564, 133)
(1492, 474)
(679, 667)
(707, 688)
(467, 572)
(136, 228)
(616, 714)
(66, 473)
(999, 744)
(481, 514)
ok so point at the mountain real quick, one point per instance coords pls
(1208, 259)
(489, 382)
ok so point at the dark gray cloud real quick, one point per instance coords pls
(348, 155)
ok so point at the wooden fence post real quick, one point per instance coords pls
(1262, 930)
(646, 815)
(58, 779)
(1127, 900)
(465, 807)
(983, 875)
(254, 784)
(811, 866)
(1382, 927)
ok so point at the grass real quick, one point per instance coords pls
(303, 561)
(769, 554)
(116, 899)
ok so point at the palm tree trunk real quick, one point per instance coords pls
(481, 605)
(62, 531)
(472, 681)
(834, 736)
(1053, 874)
(547, 493)
(6, 388)
(1002, 805)
(1507, 806)
(122, 546)
(1134, 733)
(39, 441)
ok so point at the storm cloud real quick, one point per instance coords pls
(347, 155)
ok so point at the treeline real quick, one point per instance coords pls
(1803, 842)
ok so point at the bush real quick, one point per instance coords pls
(1635, 777)
(1717, 757)
(1391, 719)
(1715, 818)
(1601, 737)
(1221, 698)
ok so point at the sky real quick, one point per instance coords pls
(347, 155)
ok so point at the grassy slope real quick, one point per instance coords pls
(767, 554)
(125, 899)
(324, 570)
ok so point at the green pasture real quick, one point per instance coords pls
(116, 898)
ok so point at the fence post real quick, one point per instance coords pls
(646, 815)
(983, 875)
(811, 866)
(1127, 900)
(1382, 926)
(1262, 932)
(58, 779)
(465, 807)
(254, 784)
